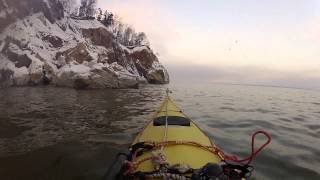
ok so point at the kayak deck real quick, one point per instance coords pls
(178, 130)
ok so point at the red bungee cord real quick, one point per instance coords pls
(247, 160)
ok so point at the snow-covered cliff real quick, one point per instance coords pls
(47, 47)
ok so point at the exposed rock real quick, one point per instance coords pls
(48, 74)
(80, 84)
(16, 55)
(144, 58)
(103, 78)
(99, 36)
(55, 41)
(21, 78)
(6, 77)
(148, 65)
(18, 9)
(158, 77)
(22, 44)
(35, 78)
(79, 54)
(95, 79)
(118, 55)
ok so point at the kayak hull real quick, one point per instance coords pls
(193, 156)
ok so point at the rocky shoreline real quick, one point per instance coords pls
(36, 50)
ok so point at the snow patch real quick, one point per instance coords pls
(14, 48)
(98, 66)
(5, 3)
(135, 49)
(121, 71)
(3, 14)
(36, 66)
(5, 63)
(140, 48)
(87, 24)
(79, 69)
(20, 72)
(2, 45)
(157, 66)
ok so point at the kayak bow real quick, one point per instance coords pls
(171, 146)
(180, 129)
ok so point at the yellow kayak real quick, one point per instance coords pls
(171, 146)
(180, 128)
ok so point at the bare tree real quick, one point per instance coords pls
(69, 6)
(119, 33)
(141, 37)
(91, 5)
(109, 21)
(105, 16)
(83, 8)
(124, 33)
(87, 8)
(127, 36)
(99, 14)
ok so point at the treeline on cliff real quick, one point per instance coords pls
(87, 9)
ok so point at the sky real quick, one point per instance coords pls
(267, 42)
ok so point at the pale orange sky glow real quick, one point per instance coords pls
(279, 39)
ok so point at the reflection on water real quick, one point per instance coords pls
(57, 133)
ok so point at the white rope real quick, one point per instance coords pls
(165, 138)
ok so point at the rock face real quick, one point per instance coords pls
(44, 47)
(11, 10)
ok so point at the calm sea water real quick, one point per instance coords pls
(56, 133)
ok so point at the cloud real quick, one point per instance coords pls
(185, 73)
(272, 46)
(285, 54)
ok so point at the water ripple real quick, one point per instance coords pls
(45, 124)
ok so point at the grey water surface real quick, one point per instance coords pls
(61, 134)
